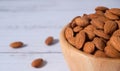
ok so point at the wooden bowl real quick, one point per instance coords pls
(80, 61)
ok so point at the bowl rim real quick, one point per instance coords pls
(63, 39)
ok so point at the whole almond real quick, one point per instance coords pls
(111, 16)
(101, 34)
(77, 29)
(115, 42)
(80, 39)
(49, 40)
(100, 53)
(116, 33)
(93, 16)
(110, 27)
(97, 23)
(111, 52)
(89, 31)
(80, 21)
(101, 8)
(68, 32)
(16, 44)
(115, 11)
(37, 63)
(89, 47)
(99, 12)
(71, 41)
(99, 43)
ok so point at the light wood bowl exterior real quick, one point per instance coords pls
(80, 61)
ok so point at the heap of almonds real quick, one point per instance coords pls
(97, 33)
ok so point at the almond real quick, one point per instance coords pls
(115, 11)
(93, 16)
(77, 29)
(116, 33)
(111, 16)
(101, 8)
(68, 32)
(71, 41)
(101, 34)
(110, 27)
(89, 47)
(80, 39)
(89, 31)
(97, 23)
(99, 43)
(37, 63)
(115, 42)
(49, 40)
(99, 12)
(17, 44)
(100, 53)
(80, 21)
(111, 52)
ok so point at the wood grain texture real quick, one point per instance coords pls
(32, 21)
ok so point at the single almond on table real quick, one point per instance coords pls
(100, 53)
(16, 44)
(49, 40)
(115, 11)
(37, 63)
(99, 43)
(80, 39)
(101, 8)
(111, 16)
(101, 34)
(111, 52)
(89, 47)
(110, 27)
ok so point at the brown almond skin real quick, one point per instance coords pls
(17, 44)
(89, 47)
(111, 52)
(97, 23)
(115, 11)
(80, 39)
(49, 40)
(100, 53)
(77, 29)
(101, 8)
(68, 32)
(81, 21)
(99, 43)
(115, 42)
(101, 34)
(116, 33)
(110, 27)
(111, 16)
(37, 63)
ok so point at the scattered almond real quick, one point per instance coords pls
(49, 40)
(16, 44)
(37, 63)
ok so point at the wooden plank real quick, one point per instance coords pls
(22, 62)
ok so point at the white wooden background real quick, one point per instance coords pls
(31, 21)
